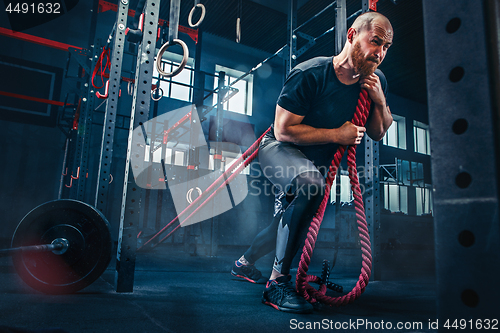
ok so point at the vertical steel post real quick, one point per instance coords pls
(81, 138)
(219, 123)
(129, 217)
(173, 28)
(199, 76)
(372, 186)
(340, 26)
(291, 60)
(108, 132)
(372, 201)
(464, 161)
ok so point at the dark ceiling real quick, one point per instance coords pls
(265, 28)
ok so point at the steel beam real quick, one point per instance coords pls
(372, 202)
(464, 164)
(82, 136)
(291, 59)
(108, 133)
(129, 217)
(340, 26)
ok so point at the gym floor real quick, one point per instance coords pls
(176, 292)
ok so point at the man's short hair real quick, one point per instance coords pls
(364, 21)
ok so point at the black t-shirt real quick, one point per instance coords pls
(313, 90)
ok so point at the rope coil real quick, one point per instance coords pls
(302, 279)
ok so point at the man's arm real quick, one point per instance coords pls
(380, 118)
(288, 128)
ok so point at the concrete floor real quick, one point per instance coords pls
(175, 292)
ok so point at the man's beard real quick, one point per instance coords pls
(362, 66)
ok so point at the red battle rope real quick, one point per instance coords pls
(302, 279)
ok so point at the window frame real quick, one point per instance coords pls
(235, 74)
(400, 132)
(416, 126)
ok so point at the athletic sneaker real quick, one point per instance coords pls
(281, 295)
(247, 272)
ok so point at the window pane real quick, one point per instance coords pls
(415, 141)
(168, 156)
(157, 152)
(179, 158)
(403, 191)
(238, 101)
(420, 174)
(393, 198)
(428, 143)
(392, 134)
(422, 140)
(405, 172)
(430, 200)
(178, 91)
(426, 200)
(229, 162)
(419, 200)
(345, 189)
(386, 196)
(164, 85)
(333, 191)
(211, 164)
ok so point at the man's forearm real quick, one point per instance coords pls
(379, 121)
(302, 134)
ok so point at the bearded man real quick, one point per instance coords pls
(312, 119)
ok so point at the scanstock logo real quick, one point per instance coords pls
(160, 160)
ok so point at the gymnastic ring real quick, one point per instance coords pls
(238, 30)
(183, 62)
(190, 17)
(152, 95)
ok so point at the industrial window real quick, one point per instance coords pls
(396, 134)
(228, 158)
(242, 101)
(171, 156)
(396, 198)
(180, 86)
(410, 173)
(346, 195)
(421, 138)
(424, 200)
(156, 151)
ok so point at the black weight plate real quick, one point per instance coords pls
(86, 258)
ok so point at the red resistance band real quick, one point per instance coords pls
(104, 53)
(302, 279)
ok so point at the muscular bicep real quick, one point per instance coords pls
(283, 120)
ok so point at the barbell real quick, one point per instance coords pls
(61, 246)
